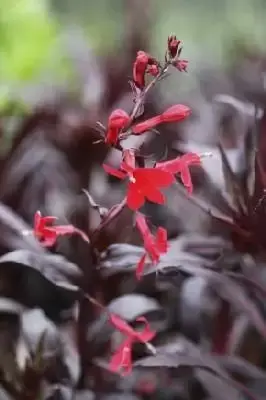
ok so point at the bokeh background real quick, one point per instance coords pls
(64, 65)
(32, 33)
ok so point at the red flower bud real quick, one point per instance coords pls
(118, 119)
(147, 125)
(181, 65)
(139, 68)
(175, 113)
(173, 45)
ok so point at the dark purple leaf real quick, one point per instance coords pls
(227, 289)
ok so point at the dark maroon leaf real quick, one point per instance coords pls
(47, 281)
(227, 289)
(241, 367)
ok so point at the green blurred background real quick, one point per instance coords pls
(29, 30)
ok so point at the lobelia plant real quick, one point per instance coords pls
(145, 183)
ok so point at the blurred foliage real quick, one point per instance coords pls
(27, 31)
(29, 28)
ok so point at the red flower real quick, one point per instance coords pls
(48, 234)
(118, 120)
(122, 358)
(154, 245)
(139, 68)
(144, 63)
(181, 65)
(144, 183)
(181, 165)
(175, 113)
(173, 45)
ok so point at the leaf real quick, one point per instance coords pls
(120, 257)
(216, 387)
(12, 227)
(239, 366)
(188, 355)
(8, 306)
(231, 182)
(131, 306)
(44, 280)
(34, 325)
(226, 289)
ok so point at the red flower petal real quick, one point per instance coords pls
(122, 358)
(171, 166)
(153, 194)
(158, 177)
(121, 325)
(140, 266)
(114, 172)
(69, 230)
(161, 240)
(112, 136)
(186, 179)
(118, 119)
(37, 219)
(176, 165)
(48, 238)
(135, 198)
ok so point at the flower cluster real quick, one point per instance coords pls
(143, 183)
(174, 52)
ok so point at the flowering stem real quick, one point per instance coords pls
(142, 95)
(114, 212)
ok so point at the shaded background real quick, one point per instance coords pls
(64, 65)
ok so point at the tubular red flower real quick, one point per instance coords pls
(173, 45)
(118, 120)
(144, 63)
(144, 183)
(122, 358)
(154, 245)
(48, 235)
(181, 165)
(147, 125)
(175, 113)
(139, 68)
